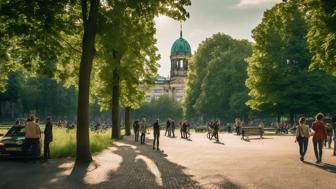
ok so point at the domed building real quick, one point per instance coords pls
(175, 85)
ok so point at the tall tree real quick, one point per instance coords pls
(127, 37)
(321, 18)
(219, 90)
(279, 65)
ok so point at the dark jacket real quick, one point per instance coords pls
(48, 133)
(136, 126)
(156, 127)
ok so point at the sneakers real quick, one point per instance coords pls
(301, 159)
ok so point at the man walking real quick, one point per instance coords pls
(156, 128)
(168, 128)
(48, 137)
(136, 127)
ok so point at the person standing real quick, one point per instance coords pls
(302, 136)
(168, 128)
(136, 127)
(143, 128)
(215, 130)
(173, 127)
(32, 140)
(238, 125)
(320, 134)
(156, 128)
(48, 137)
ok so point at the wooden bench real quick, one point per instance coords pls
(270, 131)
(251, 131)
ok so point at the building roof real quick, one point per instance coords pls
(180, 47)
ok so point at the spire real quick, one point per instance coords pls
(181, 29)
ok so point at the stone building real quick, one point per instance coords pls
(174, 86)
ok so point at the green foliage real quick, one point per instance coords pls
(126, 45)
(163, 108)
(216, 78)
(278, 77)
(321, 17)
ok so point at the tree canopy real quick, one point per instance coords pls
(321, 18)
(216, 78)
(278, 76)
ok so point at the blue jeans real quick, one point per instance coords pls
(303, 144)
(318, 146)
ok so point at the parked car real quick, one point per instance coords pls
(13, 142)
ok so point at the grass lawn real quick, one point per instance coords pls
(64, 141)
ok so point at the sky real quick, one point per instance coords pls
(236, 18)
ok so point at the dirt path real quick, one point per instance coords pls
(200, 163)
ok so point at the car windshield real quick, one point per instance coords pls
(16, 132)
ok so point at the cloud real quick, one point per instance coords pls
(255, 3)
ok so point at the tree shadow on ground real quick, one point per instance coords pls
(143, 167)
(324, 166)
(19, 174)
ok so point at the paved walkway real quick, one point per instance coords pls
(259, 164)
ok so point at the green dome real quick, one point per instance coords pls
(180, 47)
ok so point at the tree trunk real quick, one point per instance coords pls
(115, 99)
(83, 153)
(127, 121)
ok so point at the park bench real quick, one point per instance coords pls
(251, 131)
(270, 131)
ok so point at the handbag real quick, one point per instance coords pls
(300, 137)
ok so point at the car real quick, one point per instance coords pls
(13, 142)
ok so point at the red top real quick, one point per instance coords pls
(320, 131)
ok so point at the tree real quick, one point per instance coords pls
(279, 65)
(321, 37)
(219, 89)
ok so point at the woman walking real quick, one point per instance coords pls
(302, 136)
(319, 136)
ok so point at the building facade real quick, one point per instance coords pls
(175, 85)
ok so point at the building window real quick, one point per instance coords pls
(181, 64)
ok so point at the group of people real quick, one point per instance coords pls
(140, 128)
(318, 132)
(33, 137)
(170, 128)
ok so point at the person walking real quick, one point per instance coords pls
(168, 128)
(32, 140)
(48, 138)
(136, 128)
(143, 128)
(302, 136)
(319, 136)
(173, 127)
(156, 128)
